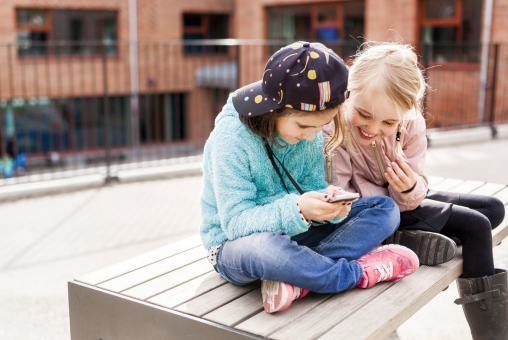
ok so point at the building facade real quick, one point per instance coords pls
(66, 68)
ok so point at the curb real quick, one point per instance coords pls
(55, 186)
(193, 168)
(435, 137)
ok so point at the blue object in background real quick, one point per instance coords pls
(328, 34)
(8, 167)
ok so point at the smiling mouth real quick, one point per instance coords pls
(365, 135)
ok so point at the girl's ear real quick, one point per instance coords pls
(347, 94)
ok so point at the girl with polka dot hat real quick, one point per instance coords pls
(265, 204)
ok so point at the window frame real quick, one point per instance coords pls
(48, 27)
(203, 29)
(456, 22)
(34, 28)
(313, 12)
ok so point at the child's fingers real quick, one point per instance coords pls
(400, 173)
(395, 180)
(332, 190)
(346, 208)
(317, 195)
(405, 167)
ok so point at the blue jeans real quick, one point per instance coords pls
(323, 259)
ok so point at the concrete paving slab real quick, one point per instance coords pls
(454, 137)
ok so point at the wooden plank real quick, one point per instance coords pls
(216, 298)
(397, 304)
(238, 310)
(330, 313)
(503, 196)
(433, 180)
(501, 232)
(489, 189)
(170, 280)
(467, 186)
(446, 184)
(149, 272)
(188, 290)
(264, 324)
(146, 259)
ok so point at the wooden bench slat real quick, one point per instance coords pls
(140, 261)
(329, 313)
(503, 195)
(395, 305)
(489, 189)
(216, 298)
(188, 290)
(149, 272)
(500, 232)
(447, 184)
(433, 180)
(238, 310)
(167, 281)
(467, 186)
(265, 324)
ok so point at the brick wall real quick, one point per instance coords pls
(391, 20)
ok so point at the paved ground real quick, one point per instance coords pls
(47, 241)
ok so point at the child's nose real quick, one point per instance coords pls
(310, 136)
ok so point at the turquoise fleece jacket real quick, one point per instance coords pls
(242, 193)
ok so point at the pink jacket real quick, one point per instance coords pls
(359, 170)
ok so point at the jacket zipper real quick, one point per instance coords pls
(381, 167)
(329, 169)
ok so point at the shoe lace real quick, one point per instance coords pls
(271, 289)
(385, 272)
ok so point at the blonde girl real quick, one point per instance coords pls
(385, 154)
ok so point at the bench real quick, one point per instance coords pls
(174, 293)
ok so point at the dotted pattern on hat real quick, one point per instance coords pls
(324, 87)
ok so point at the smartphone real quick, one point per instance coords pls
(344, 197)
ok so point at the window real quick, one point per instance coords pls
(163, 117)
(450, 30)
(205, 26)
(44, 124)
(66, 32)
(334, 24)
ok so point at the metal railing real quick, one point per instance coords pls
(67, 109)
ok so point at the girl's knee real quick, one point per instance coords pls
(498, 212)
(390, 211)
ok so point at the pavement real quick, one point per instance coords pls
(51, 239)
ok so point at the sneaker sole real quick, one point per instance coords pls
(431, 248)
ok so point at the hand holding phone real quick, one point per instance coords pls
(344, 197)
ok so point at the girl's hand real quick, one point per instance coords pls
(400, 176)
(315, 206)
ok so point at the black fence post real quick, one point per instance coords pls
(107, 119)
(238, 48)
(493, 90)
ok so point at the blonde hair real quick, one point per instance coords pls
(391, 70)
(265, 125)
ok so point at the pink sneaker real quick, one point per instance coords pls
(299, 293)
(278, 296)
(387, 263)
